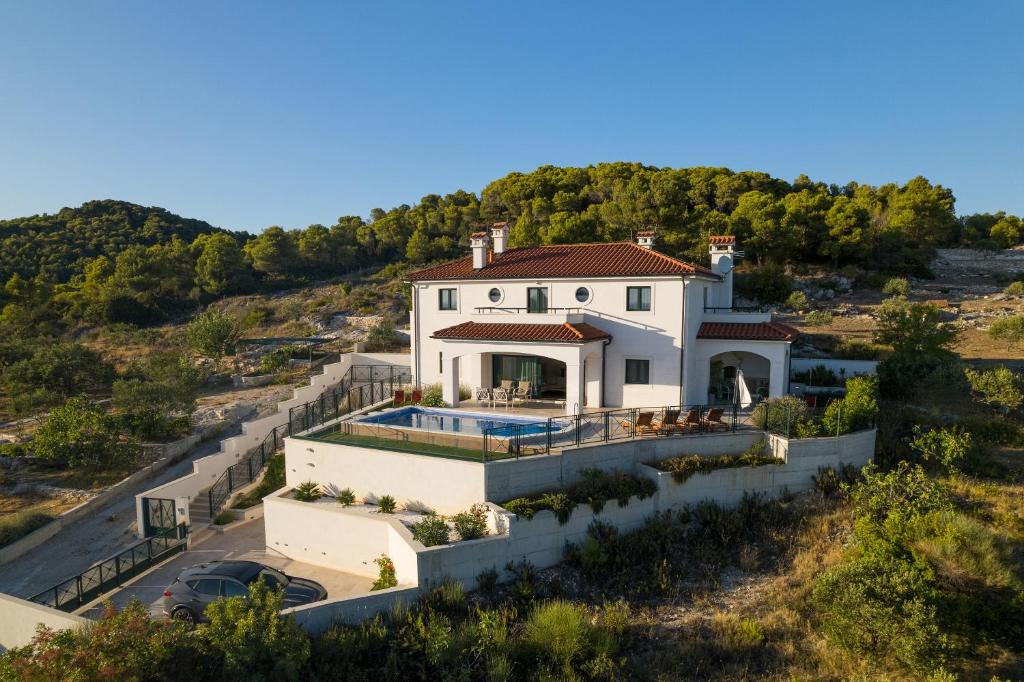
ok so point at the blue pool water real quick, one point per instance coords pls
(431, 419)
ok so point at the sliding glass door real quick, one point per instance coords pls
(517, 368)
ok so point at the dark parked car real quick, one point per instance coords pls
(187, 597)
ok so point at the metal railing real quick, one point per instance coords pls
(504, 309)
(736, 309)
(334, 402)
(246, 470)
(544, 436)
(77, 591)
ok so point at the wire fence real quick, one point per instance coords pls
(79, 590)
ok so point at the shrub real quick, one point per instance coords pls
(595, 488)
(253, 639)
(897, 287)
(471, 524)
(856, 349)
(562, 636)
(782, 414)
(81, 434)
(797, 300)
(992, 430)
(386, 576)
(1008, 329)
(829, 482)
(433, 396)
(345, 497)
(274, 361)
(857, 411)
(213, 334)
(914, 327)
(487, 580)
(818, 318)
(999, 387)
(430, 531)
(386, 505)
(685, 466)
(1014, 289)
(307, 492)
(944, 448)
(224, 518)
(381, 335)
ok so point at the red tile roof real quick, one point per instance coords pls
(615, 259)
(579, 332)
(746, 331)
(722, 239)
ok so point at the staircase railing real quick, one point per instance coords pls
(334, 402)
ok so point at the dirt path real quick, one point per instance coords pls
(98, 536)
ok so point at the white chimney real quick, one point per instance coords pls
(723, 259)
(499, 233)
(478, 240)
(645, 238)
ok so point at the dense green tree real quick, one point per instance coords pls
(80, 434)
(52, 373)
(213, 334)
(913, 327)
(273, 252)
(220, 265)
(757, 221)
(157, 394)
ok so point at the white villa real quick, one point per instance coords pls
(594, 325)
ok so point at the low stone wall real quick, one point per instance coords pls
(19, 619)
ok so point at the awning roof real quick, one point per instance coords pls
(548, 333)
(746, 331)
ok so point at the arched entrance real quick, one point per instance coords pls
(738, 377)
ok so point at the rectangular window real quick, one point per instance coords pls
(638, 371)
(705, 289)
(638, 298)
(440, 362)
(537, 300)
(448, 299)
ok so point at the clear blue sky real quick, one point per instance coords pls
(251, 114)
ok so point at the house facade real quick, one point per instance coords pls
(593, 325)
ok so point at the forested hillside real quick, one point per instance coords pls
(110, 261)
(60, 245)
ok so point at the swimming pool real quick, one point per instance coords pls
(453, 421)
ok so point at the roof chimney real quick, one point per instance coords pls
(478, 240)
(723, 259)
(499, 233)
(645, 238)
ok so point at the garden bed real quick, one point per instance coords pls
(685, 466)
(595, 489)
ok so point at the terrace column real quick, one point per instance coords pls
(450, 380)
(574, 387)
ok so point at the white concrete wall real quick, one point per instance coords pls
(508, 479)
(852, 367)
(441, 483)
(542, 539)
(19, 619)
(702, 351)
(653, 335)
(206, 470)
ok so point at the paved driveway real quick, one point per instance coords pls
(247, 541)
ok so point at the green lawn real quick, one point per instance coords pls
(409, 446)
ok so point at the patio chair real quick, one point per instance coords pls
(643, 425)
(691, 422)
(713, 420)
(417, 396)
(508, 385)
(668, 423)
(501, 395)
(399, 398)
(482, 395)
(522, 392)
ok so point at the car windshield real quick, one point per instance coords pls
(274, 579)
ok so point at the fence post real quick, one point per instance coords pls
(248, 466)
(735, 417)
(231, 486)
(607, 427)
(78, 586)
(579, 435)
(547, 449)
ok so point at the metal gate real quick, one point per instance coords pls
(157, 515)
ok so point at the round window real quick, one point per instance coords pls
(494, 294)
(583, 294)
